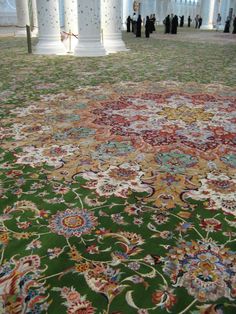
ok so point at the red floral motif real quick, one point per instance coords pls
(211, 224)
(164, 297)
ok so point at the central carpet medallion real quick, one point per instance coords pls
(120, 199)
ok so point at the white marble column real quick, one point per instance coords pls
(34, 18)
(49, 28)
(207, 13)
(112, 25)
(22, 13)
(127, 10)
(89, 26)
(71, 24)
(161, 9)
(71, 16)
(224, 10)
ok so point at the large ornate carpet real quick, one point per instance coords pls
(119, 199)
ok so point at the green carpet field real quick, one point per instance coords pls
(118, 178)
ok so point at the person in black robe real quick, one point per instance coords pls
(227, 25)
(139, 26)
(181, 21)
(189, 21)
(167, 24)
(174, 25)
(234, 25)
(196, 21)
(147, 27)
(128, 22)
(153, 21)
(199, 22)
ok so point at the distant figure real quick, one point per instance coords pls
(153, 21)
(189, 21)
(181, 21)
(218, 22)
(234, 25)
(227, 25)
(175, 24)
(171, 22)
(128, 22)
(167, 24)
(196, 21)
(147, 27)
(199, 22)
(134, 23)
(139, 26)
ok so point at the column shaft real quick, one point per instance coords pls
(22, 13)
(71, 24)
(49, 28)
(89, 26)
(34, 20)
(112, 25)
(71, 16)
(207, 14)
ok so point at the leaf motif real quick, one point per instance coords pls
(130, 301)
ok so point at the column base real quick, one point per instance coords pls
(49, 48)
(89, 49)
(34, 33)
(70, 47)
(21, 32)
(207, 27)
(113, 46)
(114, 43)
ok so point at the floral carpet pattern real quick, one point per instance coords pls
(118, 198)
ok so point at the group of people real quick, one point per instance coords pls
(198, 21)
(228, 25)
(171, 23)
(134, 24)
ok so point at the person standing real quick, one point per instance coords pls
(181, 21)
(199, 22)
(139, 26)
(174, 25)
(134, 23)
(189, 21)
(171, 22)
(234, 25)
(218, 22)
(167, 24)
(128, 22)
(147, 27)
(153, 22)
(196, 21)
(227, 25)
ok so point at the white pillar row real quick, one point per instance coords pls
(71, 24)
(89, 26)
(22, 13)
(49, 28)
(207, 14)
(112, 25)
